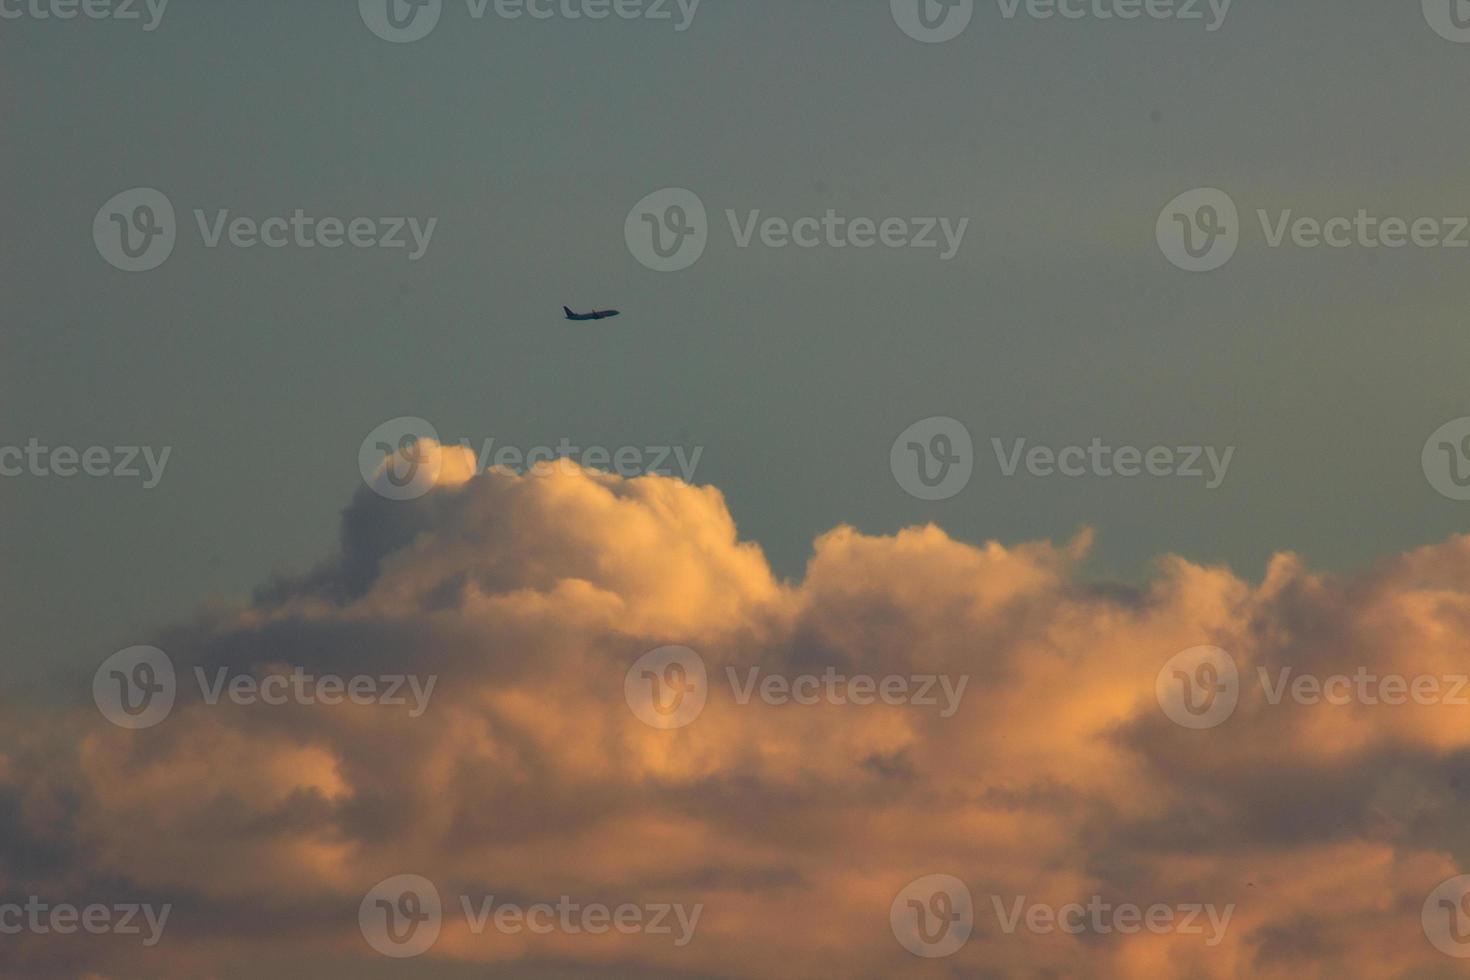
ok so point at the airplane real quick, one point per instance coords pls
(594, 315)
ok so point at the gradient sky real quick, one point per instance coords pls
(794, 370)
(791, 372)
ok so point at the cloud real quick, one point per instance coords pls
(528, 597)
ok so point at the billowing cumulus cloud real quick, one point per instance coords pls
(1020, 748)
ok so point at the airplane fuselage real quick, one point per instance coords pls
(594, 315)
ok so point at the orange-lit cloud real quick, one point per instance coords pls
(1057, 777)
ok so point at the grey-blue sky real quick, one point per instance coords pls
(1059, 320)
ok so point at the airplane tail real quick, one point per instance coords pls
(568, 312)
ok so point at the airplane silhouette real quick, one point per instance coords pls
(594, 315)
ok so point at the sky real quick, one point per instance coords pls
(855, 418)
